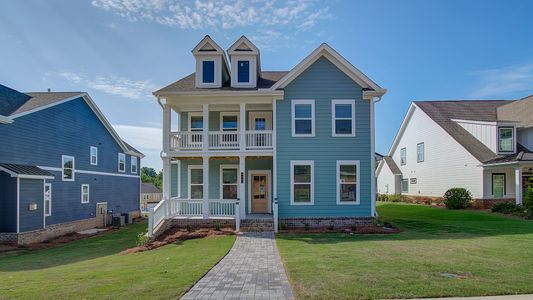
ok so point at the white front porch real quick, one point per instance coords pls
(507, 181)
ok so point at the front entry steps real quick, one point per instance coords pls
(263, 223)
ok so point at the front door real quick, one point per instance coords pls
(260, 193)
(101, 214)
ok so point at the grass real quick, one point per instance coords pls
(92, 268)
(493, 252)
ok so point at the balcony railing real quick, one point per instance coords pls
(221, 140)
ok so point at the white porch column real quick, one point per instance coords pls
(242, 126)
(166, 128)
(372, 160)
(518, 184)
(242, 186)
(205, 161)
(166, 184)
(205, 134)
(274, 156)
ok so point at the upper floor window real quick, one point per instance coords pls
(67, 164)
(347, 182)
(420, 152)
(94, 155)
(133, 164)
(243, 71)
(196, 122)
(343, 117)
(403, 156)
(208, 71)
(122, 162)
(84, 193)
(505, 139)
(302, 179)
(303, 118)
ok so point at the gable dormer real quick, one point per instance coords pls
(211, 64)
(245, 64)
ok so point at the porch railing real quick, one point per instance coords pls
(260, 139)
(186, 140)
(177, 207)
(221, 140)
(224, 140)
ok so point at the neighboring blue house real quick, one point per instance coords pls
(294, 147)
(62, 166)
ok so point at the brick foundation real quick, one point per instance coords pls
(194, 223)
(324, 222)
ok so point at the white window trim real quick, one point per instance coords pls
(221, 186)
(401, 186)
(423, 152)
(178, 177)
(357, 183)
(225, 114)
(49, 204)
(194, 114)
(118, 161)
(293, 118)
(63, 168)
(216, 68)
(405, 160)
(303, 163)
(192, 167)
(88, 194)
(513, 142)
(334, 117)
(133, 162)
(91, 155)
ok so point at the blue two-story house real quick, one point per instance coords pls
(62, 166)
(292, 147)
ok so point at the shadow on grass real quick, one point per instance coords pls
(427, 223)
(81, 250)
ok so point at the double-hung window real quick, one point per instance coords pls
(498, 185)
(94, 156)
(420, 152)
(229, 182)
(403, 156)
(505, 139)
(243, 70)
(208, 71)
(84, 193)
(122, 162)
(343, 117)
(303, 118)
(229, 121)
(302, 182)
(67, 163)
(133, 164)
(196, 182)
(196, 122)
(347, 182)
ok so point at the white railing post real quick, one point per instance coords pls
(242, 126)
(167, 210)
(275, 212)
(151, 222)
(237, 216)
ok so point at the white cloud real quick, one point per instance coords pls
(148, 140)
(220, 14)
(510, 81)
(113, 85)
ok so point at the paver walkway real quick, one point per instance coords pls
(251, 270)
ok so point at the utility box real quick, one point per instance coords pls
(118, 221)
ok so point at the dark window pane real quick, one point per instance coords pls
(260, 124)
(67, 163)
(343, 126)
(302, 193)
(302, 110)
(197, 176)
(197, 122)
(243, 67)
(67, 173)
(229, 176)
(506, 139)
(302, 173)
(197, 192)
(343, 111)
(229, 122)
(348, 192)
(303, 127)
(348, 173)
(208, 71)
(229, 192)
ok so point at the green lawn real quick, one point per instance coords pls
(495, 253)
(92, 268)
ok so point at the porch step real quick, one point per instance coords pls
(257, 225)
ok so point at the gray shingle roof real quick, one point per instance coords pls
(518, 111)
(130, 148)
(392, 165)
(25, 170)
(149, 188)
(442, 112)
(523, 154)
(39, 99)
(188, 83)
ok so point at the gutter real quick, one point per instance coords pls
(5, 120)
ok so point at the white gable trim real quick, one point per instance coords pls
(95, 109)
(5, 120)
(243, 40)
(219, 51)
(405, 121)
(340, 62)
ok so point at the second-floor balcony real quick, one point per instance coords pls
(221, 140)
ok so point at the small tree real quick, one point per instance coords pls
(457, 198)
(528, 202)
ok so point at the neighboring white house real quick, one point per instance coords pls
(484, 146)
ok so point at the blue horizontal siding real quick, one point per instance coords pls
(8, 203)
(31, 191)
(323, 82)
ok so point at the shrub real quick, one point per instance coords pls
(282, 225)
(528, 202)
(217, 225)
(457, 198)
(382, 197)
(306, 226)
(142, 239)
(506, 208)
(354, 227)
(395, 198)
(188, 227)
(331, 225)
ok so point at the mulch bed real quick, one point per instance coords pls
(359, 230)
(176, 234)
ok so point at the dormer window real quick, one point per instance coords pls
(208, 71)
(243, 71)
(505, 139)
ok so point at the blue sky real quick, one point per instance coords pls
(121, 50)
